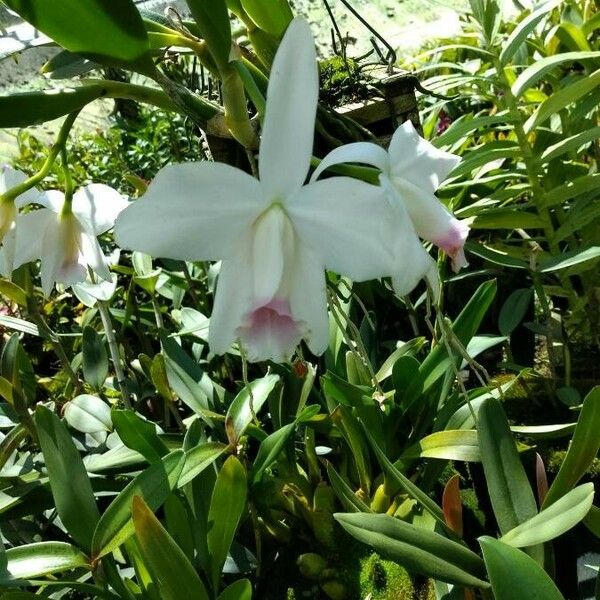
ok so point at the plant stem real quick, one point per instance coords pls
(113, 348)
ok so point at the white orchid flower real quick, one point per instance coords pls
(412, 170)
(274, 236)
(63, 234)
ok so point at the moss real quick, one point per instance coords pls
(555, 458)
(342, 81)
(384, 580)
(471, 504)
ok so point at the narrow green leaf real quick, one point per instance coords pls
(562, 99)
(520, 33)
(139, 435)
(238, 590)
(269, 450)
(460, 129)
(212, 19)
(69, 482)
(553, 521)
(418, 550)
(507, 218)
(199, 458)
(349, 500)
(582, 451)
(227, 506)
(240, 413)
(14, 322)
(95, 359)
(272, 16)
(531, 75)
(510, 493)
(173, 573)
(40, 559)
(153, 485)
(514, 575)
(458, 444)
(564, 262)
(106, 31)
(13, 292)
(570, 144)
(572, 189)
(495, 256)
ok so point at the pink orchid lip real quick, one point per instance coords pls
(271, 327)
(452, 243)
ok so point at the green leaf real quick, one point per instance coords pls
(416, 549)
(212, 19)
(239, 415)
(13, 292)
(349, 500)
(95, 359)
(174, 575)
(13, 322)
(514, 309)
(460, 129)
(509, 490)
(520, 33)
(531, 75)
(562, 99)
(199, 458)
(88, 414)
(582, 450)
(570, 144)
(153, 485)
(482, 156)
(495, 256)
(507, 218)
(40, 559)
(561, 262)
(227, 506)
(71, 487)
(102, 30)
(272, 16)
(238, 590)
(514, 575)
(460, 444)
(66, 65)
(139, 435)
(572, 189)
(270, 448)
(553, 521)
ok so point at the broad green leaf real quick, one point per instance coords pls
(418, 550)
(139, 435)
(66, 65)
(514, 309)
(553, 521)
(509, 490)
(531, 75)
(514, 575)
(238, 590)
(570, 144)
(592, 520)
(562, 99)
(95, 359)
(171, 570)
(40, 559)
(212, 19)
(269, 450)
(88, 414)
(458, 444)
(572, 189)
(272, 16)
(582, 450)
(543, 432)
(71, 487)
(520, 33)
(153, 485)
(250, 400)
(102, 30)
(581, 256)
(227, 506)
(199, 458)
(13, 292)
(349, 500)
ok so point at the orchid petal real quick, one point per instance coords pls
(233, 298)
(7, 253)
(418, 161)
(9, 178)
(344, 221)
(192, 211)
(433, 221)
(288, 130)
(308, 298)
(52, 199)
(30, 230)
(97, 206)
(358, 152)
(93, 256)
